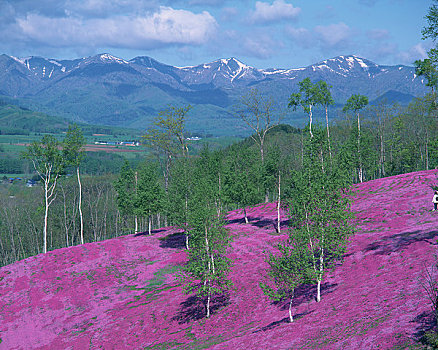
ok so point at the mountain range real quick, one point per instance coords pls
(108, 90)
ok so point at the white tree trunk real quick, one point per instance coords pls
(246, 217)
(150, 224)
(135, 217)
(328, 131)
(80, 206)
(207, 250)
(208, 301)
(321, 269)
(291, 319)
(310, 121)
(358, 149)
(46, 214)
(318, 291)
(278, 204)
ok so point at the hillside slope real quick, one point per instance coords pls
(121, 293)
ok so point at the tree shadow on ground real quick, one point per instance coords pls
(307, 292)
(146, 233)
(425, 323)
(175, 240)
(193, 308)
(275, 324)
(236, 221)
(303, 293)
(260, 222)
(401, 241)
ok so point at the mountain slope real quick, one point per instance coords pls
(104, 89)
(122, 293)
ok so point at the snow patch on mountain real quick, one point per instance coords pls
(107, 57)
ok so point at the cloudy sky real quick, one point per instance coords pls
(263, 34)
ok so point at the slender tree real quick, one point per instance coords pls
(150, 195)
(287, 270)
(258, 112)
(307, 98)
(49, 163)
(325, 99)
(273, 170)
(167, 138)
(73, 144)
(319, 210)
(180, 192)
(207, 269)
(356, 103)
(126, 192)
(241, 180)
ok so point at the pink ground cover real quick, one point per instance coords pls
(123, 294)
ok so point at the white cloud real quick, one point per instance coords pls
(333, 35)
(300, 36)
(260, 46)
(416, 52)
(279, 10)
(164, 27)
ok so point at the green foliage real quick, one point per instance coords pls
(347, 156)
(168, 133)
(319, 209)
(126, 189)
(427, 68)
(179, 192)
(242, 172)
(324, 96)
(73, 143)
(149, 199)
(287, 270)
(46, 157)
(102, 163)
(307, 98)
(207, 269)
(431, 339)
(431, 30)
(355, 103)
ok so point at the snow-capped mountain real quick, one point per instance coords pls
(110, 90)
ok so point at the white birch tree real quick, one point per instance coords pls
(48, 162)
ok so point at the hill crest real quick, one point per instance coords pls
(122, 292)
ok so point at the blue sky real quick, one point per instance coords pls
(263, 34)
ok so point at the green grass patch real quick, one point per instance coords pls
(164, 346)
(154, 286)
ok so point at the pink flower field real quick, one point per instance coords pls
(122, 293)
